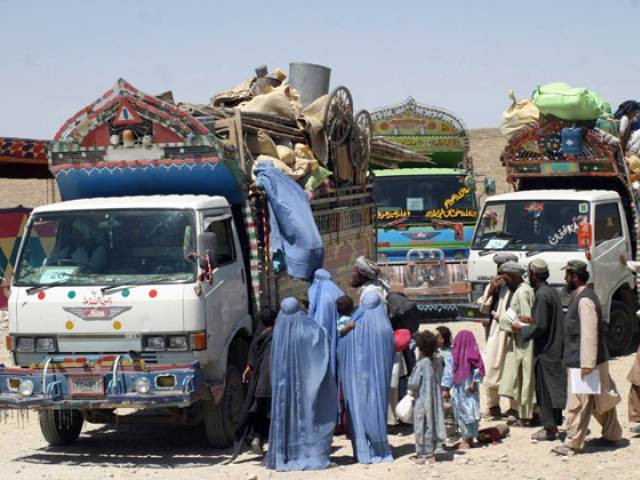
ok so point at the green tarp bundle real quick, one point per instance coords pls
(568, 103)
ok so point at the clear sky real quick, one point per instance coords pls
(58, 56)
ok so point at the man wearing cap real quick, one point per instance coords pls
(517, 380)
(546, 329)
(493, 303)
(585, 349)
(364, 277)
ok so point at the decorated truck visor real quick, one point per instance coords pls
(531, 225)
(422, 199)
(130, 143)
(425, 129)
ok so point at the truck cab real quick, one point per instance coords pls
(425, 223)
(547, 223)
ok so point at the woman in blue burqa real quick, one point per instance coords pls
(323, 294)
(304, 394)
(365, 360)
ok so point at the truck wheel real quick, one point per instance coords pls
(60, 427)
(620, 332)
(221, 421)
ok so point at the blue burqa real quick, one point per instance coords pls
(365, 360)
(293, 228)
(304, 394)
(323, 294)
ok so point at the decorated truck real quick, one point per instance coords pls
(427, 208)
(141, 289)
(572, 200)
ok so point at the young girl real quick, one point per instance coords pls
(445, 353)
(468, 370)
(424, 386)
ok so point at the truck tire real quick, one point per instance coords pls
(221, 421)
(620, 333)
(60, 427)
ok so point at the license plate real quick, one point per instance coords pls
(86, 386)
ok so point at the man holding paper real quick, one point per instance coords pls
(591, 390)
(493, 303)
(545, 329)
(517, 382)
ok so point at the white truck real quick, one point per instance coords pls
(134, 301)
(565, 207)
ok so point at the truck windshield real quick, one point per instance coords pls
(93, 247)
(422, 198)
(530, 225)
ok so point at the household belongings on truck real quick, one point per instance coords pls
(130, 143)
(575, 131)
(579, 107)
(321, 145)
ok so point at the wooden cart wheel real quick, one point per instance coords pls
(338, 116)
(364, 128)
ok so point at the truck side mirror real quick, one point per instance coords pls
(207, 243)
(489, 186)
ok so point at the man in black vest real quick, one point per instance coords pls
(585, 351)
(546, 329)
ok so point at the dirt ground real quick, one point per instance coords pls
(107, 452)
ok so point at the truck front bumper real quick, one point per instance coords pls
(439, 308)
(63, 385)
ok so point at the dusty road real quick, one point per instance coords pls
(181, 453)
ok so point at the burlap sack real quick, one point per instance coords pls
(286, 155)
(283, 101)
(311, 120)
(239, 93)
(520, 115)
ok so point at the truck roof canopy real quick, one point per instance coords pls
(585, 195)
(138, 202)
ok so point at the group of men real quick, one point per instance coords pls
(531, 344)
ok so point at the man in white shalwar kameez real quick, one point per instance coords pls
(493, 303)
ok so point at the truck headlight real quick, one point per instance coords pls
(26, 388)
(155, 343)
(142, 385)
(178, 342)
(26, 344)
(45, 344)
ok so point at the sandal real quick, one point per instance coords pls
(565, 450)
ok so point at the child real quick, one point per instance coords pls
(255, 416)
(344, 305)
(468, 370)
(446, 356)
(424, 385)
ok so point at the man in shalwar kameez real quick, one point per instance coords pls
(634, 374)
(585, 348)
(518, 382)
(495, 299)
(546, 329)
(365, 360)
(304, 394)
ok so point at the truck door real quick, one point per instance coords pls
(226, 297)
(610, 242)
